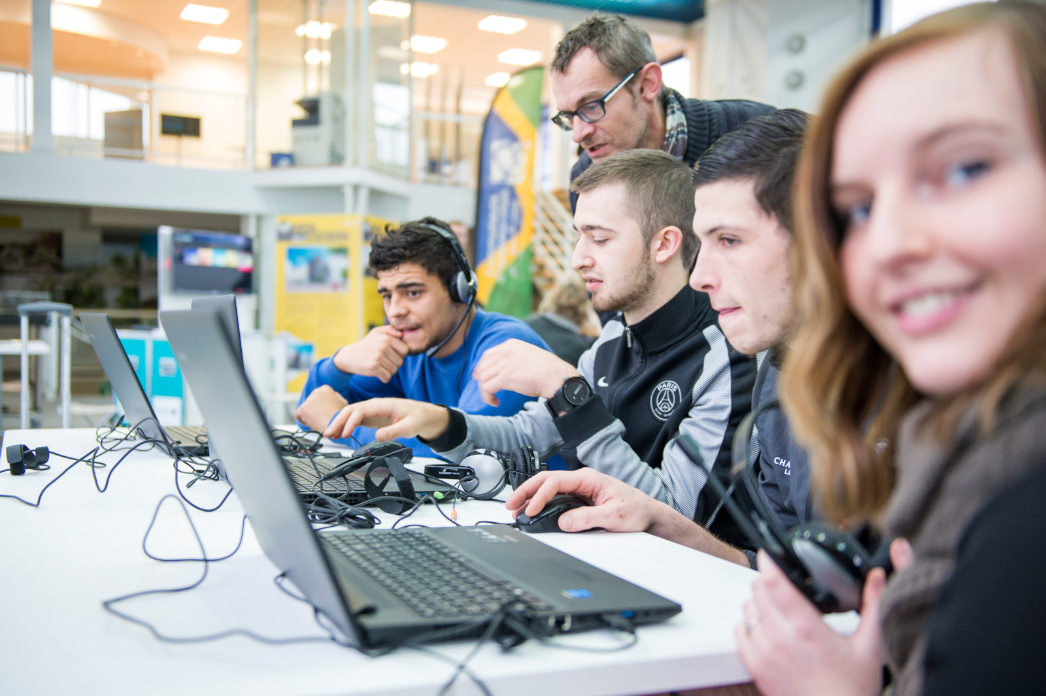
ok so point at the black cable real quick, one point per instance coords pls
(49, 484)
(108, 604)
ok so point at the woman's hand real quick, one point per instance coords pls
(789, 650)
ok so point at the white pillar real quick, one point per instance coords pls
(41, 65)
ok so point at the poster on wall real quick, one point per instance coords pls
(323, 286)
(317, 269)
(505, 215)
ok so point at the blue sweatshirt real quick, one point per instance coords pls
(447, 380)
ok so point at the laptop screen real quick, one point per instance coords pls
(235, 424)
(121, 374)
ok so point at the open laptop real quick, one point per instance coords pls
(398, 597)
(307, 473)
(137, 409)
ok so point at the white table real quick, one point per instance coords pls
(60, 561)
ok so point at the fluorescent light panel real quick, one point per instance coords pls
(216, 44)
(519, 56)
(502, 25)
(498, 79)
(82, 3)
(315, 30)
(315, 57)
(419, 69)
(390, 8)
(204, 14)
(427, 44)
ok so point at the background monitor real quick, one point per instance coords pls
(204, 262)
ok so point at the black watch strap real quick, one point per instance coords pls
(574, 392)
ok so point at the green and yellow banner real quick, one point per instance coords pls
(505, 219)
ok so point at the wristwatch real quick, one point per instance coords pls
(574, 392)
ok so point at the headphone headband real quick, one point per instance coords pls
(459, 252)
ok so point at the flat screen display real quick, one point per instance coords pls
(211, 262)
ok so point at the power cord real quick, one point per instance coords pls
(108, 604)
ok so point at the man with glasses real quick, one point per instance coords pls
(607, 84)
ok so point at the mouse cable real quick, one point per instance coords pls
(108, 604)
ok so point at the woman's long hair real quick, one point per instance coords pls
(844, 394)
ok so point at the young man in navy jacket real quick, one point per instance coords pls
(433, 341)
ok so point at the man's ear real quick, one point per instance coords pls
(650, 81)
(666, 243)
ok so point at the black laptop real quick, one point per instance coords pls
(308, 473)
(383, 587)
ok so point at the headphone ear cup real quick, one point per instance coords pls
(460, 288)
(523, 463)
(15, 459)
(834, 560)
(491, 473)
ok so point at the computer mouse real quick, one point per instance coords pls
(385, 449)
(548, 519)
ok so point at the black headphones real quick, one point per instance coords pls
(488, 471)
(828, 565)
(20, 458)
(463, 286)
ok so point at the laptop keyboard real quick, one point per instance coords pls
(187, 434)
(303, 473)
(429, 576)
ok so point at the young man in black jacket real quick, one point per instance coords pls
(607, 84)
(662, 368)
(743, 219)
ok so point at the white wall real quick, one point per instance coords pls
(222, 110)
(782, 52)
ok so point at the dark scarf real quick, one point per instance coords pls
(939, 489)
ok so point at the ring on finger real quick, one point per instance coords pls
(750, 625)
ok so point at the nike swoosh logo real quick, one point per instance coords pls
(602, 382)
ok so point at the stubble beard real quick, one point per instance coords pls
(634, 294)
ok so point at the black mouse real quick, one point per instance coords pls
(548, 519)
(385, 449)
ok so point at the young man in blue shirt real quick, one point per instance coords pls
(434, 338)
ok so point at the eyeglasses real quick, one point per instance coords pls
(592, 111)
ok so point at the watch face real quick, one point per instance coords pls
(576, 391)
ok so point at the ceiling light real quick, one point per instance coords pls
(427, 44)
(316, 56)
(315, 30)
(498, 79)
(502, 25)
(82, 3)
(418, 69)
(519, 56)
(205, 14)
(219, 45)
(390, 8)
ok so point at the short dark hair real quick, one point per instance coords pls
(657, 189)
(763, 150)
(620, 45)
(414, 242)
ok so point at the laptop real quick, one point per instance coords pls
(137, 409)
(381, 588)
(307, 473)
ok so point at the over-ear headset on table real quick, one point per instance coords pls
(828, 565)
(484, 472)
(20, 458)
(463, 286)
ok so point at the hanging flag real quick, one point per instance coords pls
(505, 219)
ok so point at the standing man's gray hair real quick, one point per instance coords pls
(619, 43)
